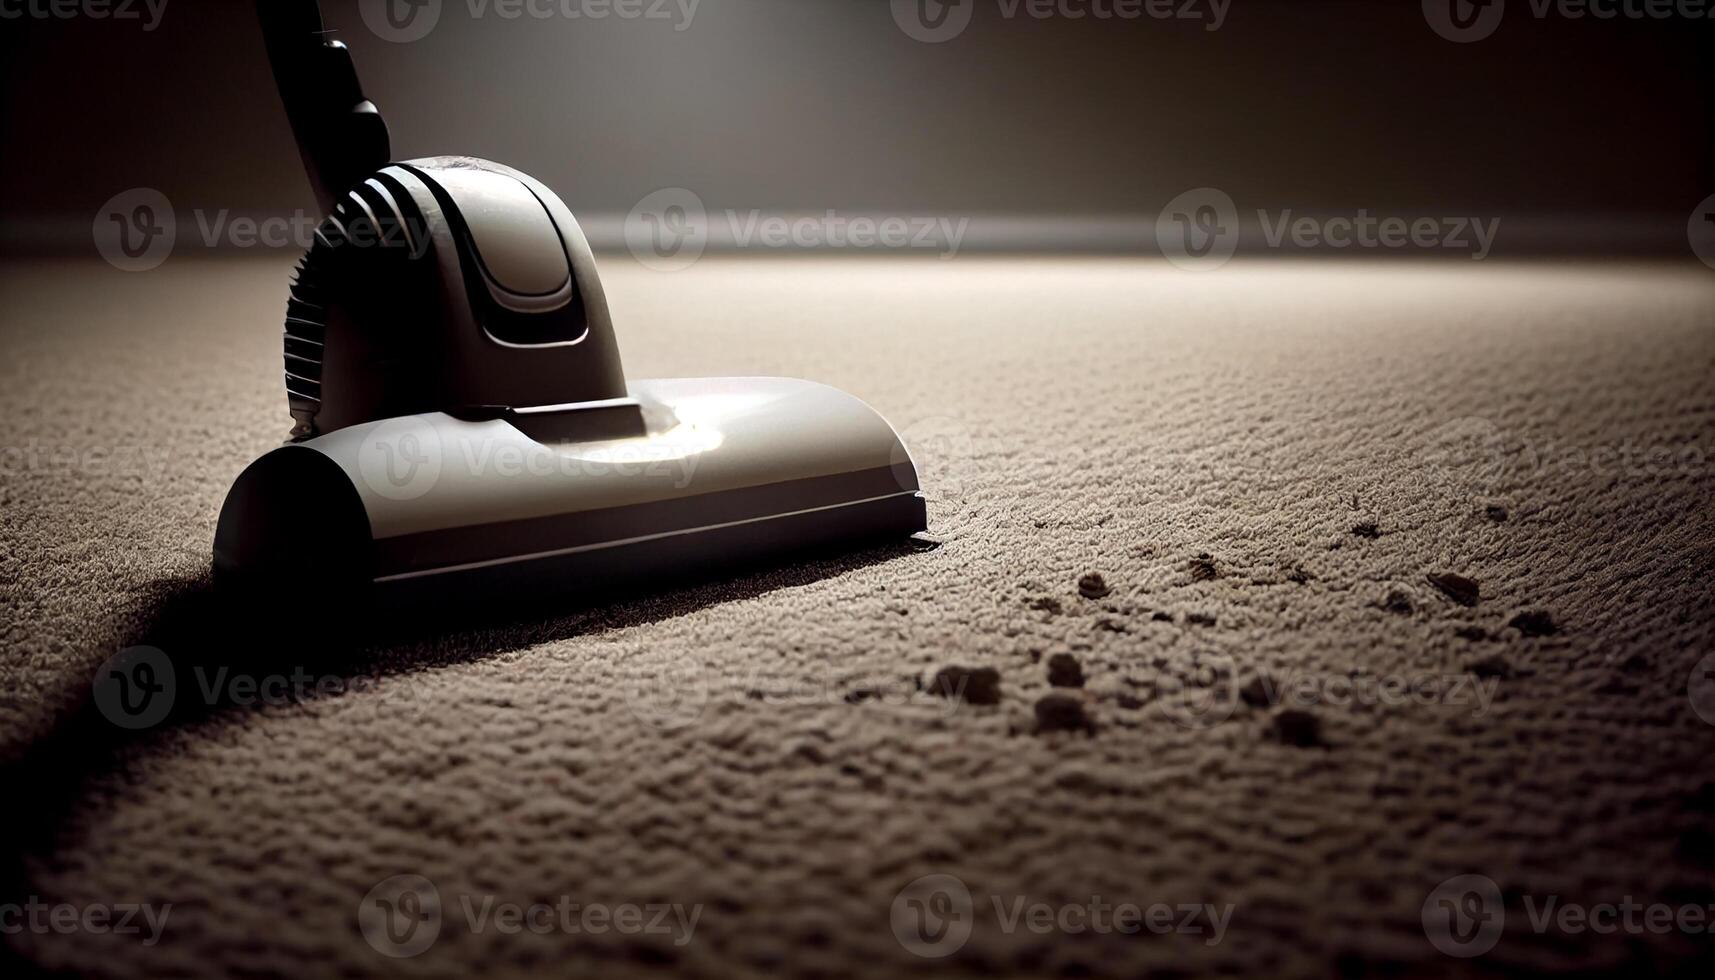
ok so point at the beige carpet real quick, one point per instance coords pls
(1264, 464)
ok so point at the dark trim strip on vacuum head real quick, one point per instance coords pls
(506, 542)
(641, 539)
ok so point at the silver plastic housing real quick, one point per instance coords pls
(731, 469)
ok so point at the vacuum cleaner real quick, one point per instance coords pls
(462, 424)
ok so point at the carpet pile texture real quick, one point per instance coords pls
(1304, 588)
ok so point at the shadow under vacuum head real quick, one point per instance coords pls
(463, 423)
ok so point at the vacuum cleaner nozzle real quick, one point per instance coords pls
(462, 420)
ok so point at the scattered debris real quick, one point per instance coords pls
(979, 685)
(1494, 665)
(1367, 529)
(1200, 619)
(1162, 617)
(1203, 568)
(1454, 586)
(1093, 586)
(1298, 727)
(1398, 602)
(1047, 604)
(1063, 713)
(1535, 622)
(1064, 671)
(1471, 633)
(1496, 513)
(1259, 693)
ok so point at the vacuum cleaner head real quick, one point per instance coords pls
(462, 422)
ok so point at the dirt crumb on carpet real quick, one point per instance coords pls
(1065, 671)
(973, 685)
(1493, 665)
(1367, 529)
(1063, 713)
(1535, 622)
(1300, 728)
(1093, 586)
(1399, 603)
(1047, 604)
(1464, 591)
(1203, 568)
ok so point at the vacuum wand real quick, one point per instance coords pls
(341, 135)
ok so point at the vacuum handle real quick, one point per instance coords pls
(341, 135)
